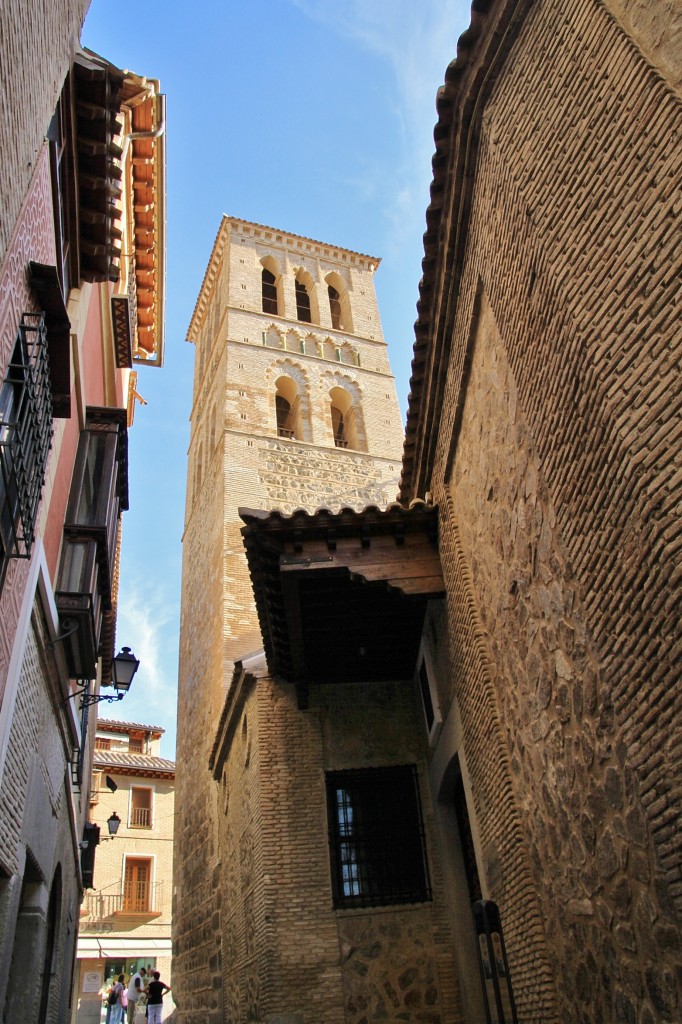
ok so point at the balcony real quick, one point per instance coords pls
(140, 902)
(141, 817)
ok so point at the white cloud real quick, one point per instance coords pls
(418, 39)
(147, 623)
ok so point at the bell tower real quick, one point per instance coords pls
(294, 406)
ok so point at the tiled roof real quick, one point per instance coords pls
(116, 725)
(135, 762)
(460, 102)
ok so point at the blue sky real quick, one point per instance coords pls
(308, 115)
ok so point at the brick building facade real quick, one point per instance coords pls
(125, 919)
(294, 406)
(73, 270)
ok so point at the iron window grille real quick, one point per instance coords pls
(25, 439)
(376, 837)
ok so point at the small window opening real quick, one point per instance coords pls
(302, 302)
(285, 426)
(335, 308)
(141, 807)
(339, 428)
(269, 292)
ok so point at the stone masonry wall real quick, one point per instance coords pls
(560, 539)
(287, 955)
(397, 962)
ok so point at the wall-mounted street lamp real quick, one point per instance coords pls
(113, 822)
(123, 669)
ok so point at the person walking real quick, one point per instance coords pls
(156, 989)
(115, 1000)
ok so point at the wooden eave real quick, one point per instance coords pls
(341, 596)
(469, 79)
(148, 175)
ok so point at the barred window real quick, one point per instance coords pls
(376, 837)
(25, 439)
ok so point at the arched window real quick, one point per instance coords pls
(339, 302)
(335, 308)
(302, 302)
(288, 409)
(344, 420)
(269, 292)
(339, 428)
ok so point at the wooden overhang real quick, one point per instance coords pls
(97, 89)
(341, 596)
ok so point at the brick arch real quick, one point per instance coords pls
(344, 395)
(304, 276)
(296, 391)
(271, 264)
(340, 285)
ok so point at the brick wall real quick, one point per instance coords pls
(37, 39)
(236, 459)
(558, 479)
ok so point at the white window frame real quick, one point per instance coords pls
(136, 785)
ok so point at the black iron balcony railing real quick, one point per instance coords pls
(25, 438)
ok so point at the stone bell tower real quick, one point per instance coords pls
(294, 406)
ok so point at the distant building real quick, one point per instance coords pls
(81, 304)
(294, 405)
(125, 919)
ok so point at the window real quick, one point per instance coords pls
(335, 308)
(338, 426)
(269, 292)
(344, 419)
(102, 743)
(376, 837)
(99, 490)
(135, 746)
(25, 438)
(288, 409)
(339, 302)
(302, 302)
(284, 421)
(137, 889)
(426, 679)
(141, 807)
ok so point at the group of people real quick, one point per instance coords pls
(122, 1000)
